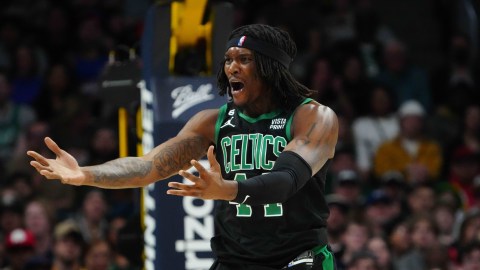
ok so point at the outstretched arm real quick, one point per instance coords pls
(162, 162)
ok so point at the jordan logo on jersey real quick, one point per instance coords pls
(228, 123)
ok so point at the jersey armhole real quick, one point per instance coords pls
(288, 127)
(218, 123)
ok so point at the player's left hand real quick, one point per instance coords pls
(209, 184)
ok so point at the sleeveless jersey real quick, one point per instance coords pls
(269, 235)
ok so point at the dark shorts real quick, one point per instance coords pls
(323, 260)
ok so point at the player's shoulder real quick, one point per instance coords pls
(315, 111)
(206, 116)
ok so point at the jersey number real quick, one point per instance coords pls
(245, 210)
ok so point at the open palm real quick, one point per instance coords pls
(209, 184)
(64, 167)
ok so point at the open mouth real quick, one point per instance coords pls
(236, 86)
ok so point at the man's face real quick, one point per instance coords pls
(472, 260)
(412, 126)
(246, 86)
(67, 250)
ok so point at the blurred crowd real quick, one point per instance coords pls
(403, 188)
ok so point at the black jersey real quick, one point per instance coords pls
(273, 234)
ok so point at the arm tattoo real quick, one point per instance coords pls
(178, 156)
(122, 172)
(307, 140)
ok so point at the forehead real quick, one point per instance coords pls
(232, 51)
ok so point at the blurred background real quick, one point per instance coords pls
(402, 76)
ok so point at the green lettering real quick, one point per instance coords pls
(224, 143)
(266, 141)
(235, 151)
(243, 210)
(278, 145)
(244, 165)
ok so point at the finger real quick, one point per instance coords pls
(38, 166)
(183, 193)
(42, 160)
(199, 167)
(189, 176)
(181, 186)
(50, 175)
(211, 158)
(53, 146)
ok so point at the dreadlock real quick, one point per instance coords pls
(288, 90)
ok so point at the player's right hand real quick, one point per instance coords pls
(64, 167)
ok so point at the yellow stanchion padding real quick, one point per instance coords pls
(122, 132)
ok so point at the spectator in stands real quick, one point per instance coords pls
(380, 211)
(39, 219)
(363, 260)
(455, 82)
(421, 199)
(423, 233)
(68, 246)
(399, 240)
(3, 256)
(58, 101)
(355, 239)
(393, 183)
(14, 119)
(339, 25)
(10, 34)
(91, 219)
(417, 157)
(372, 130)
(98, 255)
(406, 80)
(315, 46)
(58, 41)
(26, 78)
(464, 168)
(320, 78)
(119, 260)
(103, 145)
(19, 245)
(90, 55)
(31, 138)
(348, 185)
(469, 231)
(470, 258)
(371, 35)
(444, 217)
(436, 257)
(344, 160)
(21, 182)
(351, 87)
(468, 135)
(11, 211)
(379, 247)
(337, 222)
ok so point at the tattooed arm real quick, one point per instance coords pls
(162, 162)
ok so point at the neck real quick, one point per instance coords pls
(263, 104)
(255, 111)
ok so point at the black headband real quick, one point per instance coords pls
(262, 47)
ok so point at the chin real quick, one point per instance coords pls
(239, 102)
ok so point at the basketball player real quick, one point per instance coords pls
(268, 149)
